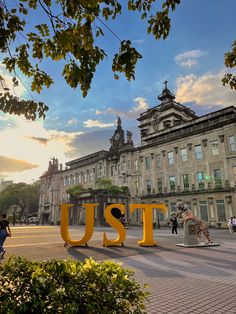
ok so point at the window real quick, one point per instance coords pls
(74, 179)
(123, 165)
(200, 180)
(100, 170)
(118, 168)
(112, 170)
(64, 181)
(147, 162)
(129, 164)
(198, 152)
(148, 186)
(91, 175)
(69, 181)
(183, 154)
(85, 177)
(158, 160)
(161, 216)
(185, 181)
(214, 148)
(188, 205)
(232, 144)
(172, 183)
(79, 178)
(172, 207)
(136, 165)
(234, 171)
(217, 177)
(203, 210)
(159, 186)
(220, 205)
(170, 157)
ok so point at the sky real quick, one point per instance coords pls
(191, 59)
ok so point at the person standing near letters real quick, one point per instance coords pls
(174, 223)
(5, 232)
(234, 224)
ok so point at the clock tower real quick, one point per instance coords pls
(118, 139)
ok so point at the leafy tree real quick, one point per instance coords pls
(104, 183)
(77, 189)
(69, 34)
(230, 62)
(21, 195)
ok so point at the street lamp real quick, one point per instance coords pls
(158, 220)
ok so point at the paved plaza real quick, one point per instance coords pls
(180, 280)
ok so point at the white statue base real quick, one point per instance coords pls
(190, 236)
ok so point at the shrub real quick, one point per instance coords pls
(68, 286)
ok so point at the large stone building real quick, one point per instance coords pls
(181, 157)
(4, 184)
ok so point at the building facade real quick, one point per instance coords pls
(4, 184)
(181, 157)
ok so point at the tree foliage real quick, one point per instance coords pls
(69, 286)
(230, 62)
(104, 183)
(75, 190)
(21, 195)
(69, 34)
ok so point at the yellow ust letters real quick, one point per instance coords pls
(90, 208)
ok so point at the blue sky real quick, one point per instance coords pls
(191, 59)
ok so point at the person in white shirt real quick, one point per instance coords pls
(230, 225)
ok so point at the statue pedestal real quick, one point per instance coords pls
(190, 236)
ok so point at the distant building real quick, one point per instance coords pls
(4, 184)
(181, 157)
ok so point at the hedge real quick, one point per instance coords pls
(68, 286)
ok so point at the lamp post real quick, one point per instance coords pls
(158, 219)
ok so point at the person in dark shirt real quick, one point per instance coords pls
(174, 223)
(4, 232)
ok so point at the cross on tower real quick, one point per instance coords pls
(165, 84)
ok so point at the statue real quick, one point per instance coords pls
(156, 121)
(118, 121)
(129, 137)
(187, 215)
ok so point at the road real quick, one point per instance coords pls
(181, 280)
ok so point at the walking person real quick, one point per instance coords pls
(174, 223)
(234, 223)
(230, 224)
(5, 232)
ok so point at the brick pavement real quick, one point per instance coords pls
(181, 280)
(190, 280)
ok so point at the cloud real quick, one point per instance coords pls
(204, 90)
(14, 165)
(95, 123)
(188, 58)
(97, 112)
(72, 121)
(91, 142)
(6, 83)
(139, 107)
(25, 140)
(188, 63)
(41, 140)
(138, 41)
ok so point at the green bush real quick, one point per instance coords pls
(68, 286)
